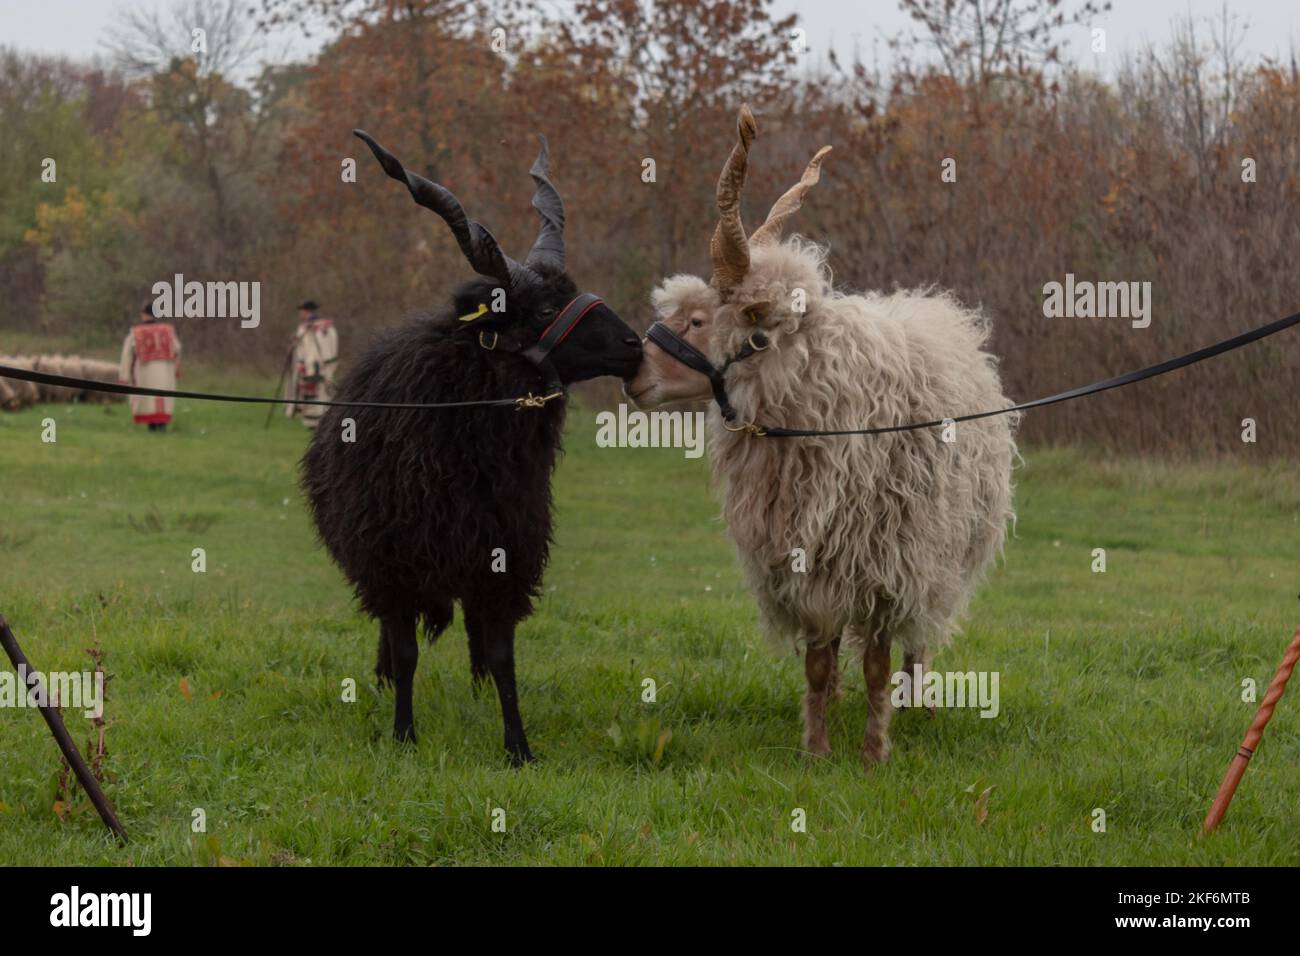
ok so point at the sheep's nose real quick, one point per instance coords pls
(632, 341)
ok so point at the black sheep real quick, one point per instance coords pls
(424, 508)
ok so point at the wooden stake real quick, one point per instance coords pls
(1253, 735)
(279, 386)
(61, 736)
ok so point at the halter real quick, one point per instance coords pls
(539, 352)
(693, 358)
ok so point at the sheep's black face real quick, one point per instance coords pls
(600, 344)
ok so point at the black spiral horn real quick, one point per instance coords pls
(549, 247)
(479, 246)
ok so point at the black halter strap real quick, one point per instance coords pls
(555, 333)
(693, 358)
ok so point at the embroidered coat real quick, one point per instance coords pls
(315, 358)
(151, 358)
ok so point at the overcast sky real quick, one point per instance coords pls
(76, 27)
(1130, 25)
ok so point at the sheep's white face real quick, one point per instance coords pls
(785, 282)
(686, 305)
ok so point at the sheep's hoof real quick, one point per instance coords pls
(404, 736)
(816, 749)
(929, 711)
(874, 754)
(519, 758)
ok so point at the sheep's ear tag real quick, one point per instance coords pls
(482, 310)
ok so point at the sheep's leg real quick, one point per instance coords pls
(404, 653)
(875, 667)
(499, 654)
(384, 663)
(834, 691)
(916, 663)
(478, 672)
(819, 666)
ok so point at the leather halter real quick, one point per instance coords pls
(693, 358)
(539, 352)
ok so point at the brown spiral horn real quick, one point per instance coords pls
(729, 248)
(789, 204)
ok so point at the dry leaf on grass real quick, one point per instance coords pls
(982, 806)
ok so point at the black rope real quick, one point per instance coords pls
(1129, 378)
(94, 385)
(765, 431)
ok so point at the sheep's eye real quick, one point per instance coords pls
(756, 312)
(697, 323)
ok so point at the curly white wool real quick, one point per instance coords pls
(897, 529)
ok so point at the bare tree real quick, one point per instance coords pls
(148, 41)
(978, 40)
(190, 59)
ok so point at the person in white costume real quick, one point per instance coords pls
(315, 358)
(151, 357)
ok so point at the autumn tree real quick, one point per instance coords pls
(190, 60)
(687, 68)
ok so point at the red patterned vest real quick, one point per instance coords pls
(154, 342)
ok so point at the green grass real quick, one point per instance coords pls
(1118, 690)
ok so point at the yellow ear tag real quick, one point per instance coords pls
(482, 310)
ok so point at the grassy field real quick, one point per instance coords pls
(1119, 691)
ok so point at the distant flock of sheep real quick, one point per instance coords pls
(16, 395)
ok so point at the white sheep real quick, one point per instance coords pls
(895, 530)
